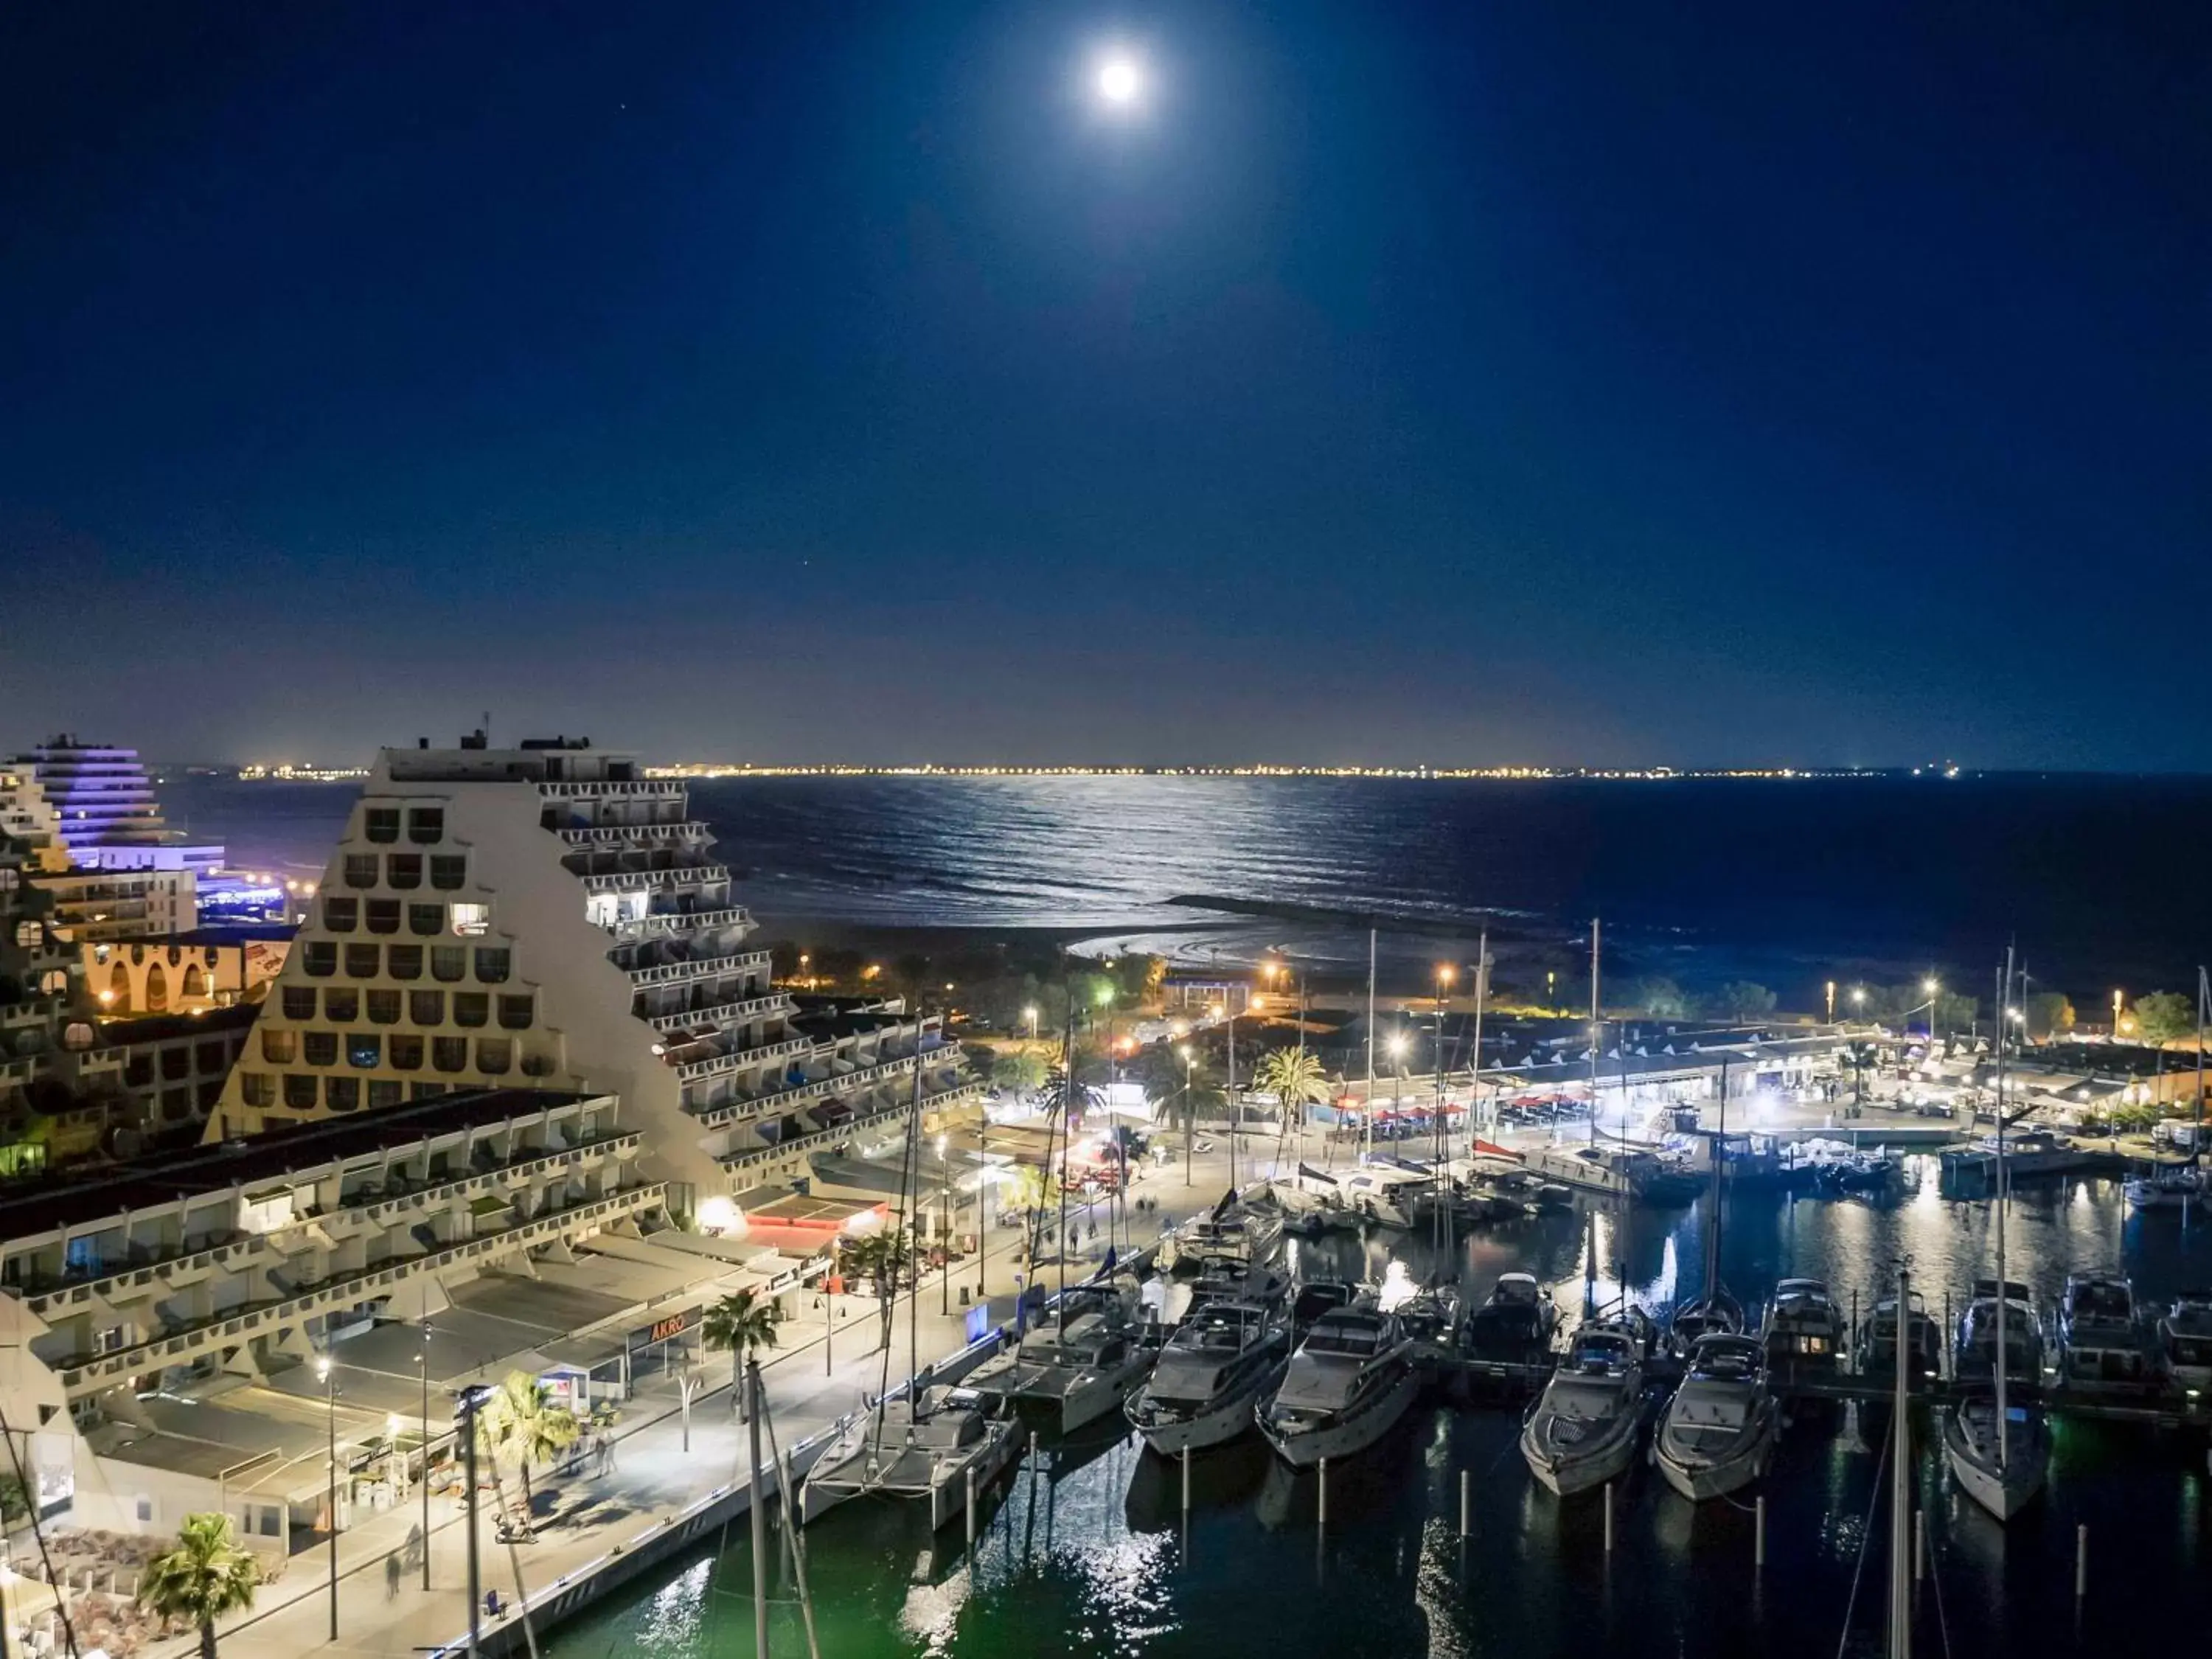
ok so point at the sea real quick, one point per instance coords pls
(1085, 1552)
(1791, 883)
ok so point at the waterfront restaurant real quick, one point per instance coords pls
(164, 1318)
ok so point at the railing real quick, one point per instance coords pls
(91, 1372)
(754, 1158)
(676, 972)
(690, 1070)
(662, 923)
(623, 881)
(721, 1012)
(860, 1077)
(592, 788)
(629, 835)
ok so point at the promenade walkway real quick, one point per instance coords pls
(382, 1609)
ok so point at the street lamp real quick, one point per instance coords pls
(945, 1226)
(2117, 998)
(1831, 1002)
(1190, 1116)
(424, 1360)
(1933, 989)
(331, 1429)
(1030, 1013)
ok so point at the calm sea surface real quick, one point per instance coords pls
(1084, 1554)
(1787, 882)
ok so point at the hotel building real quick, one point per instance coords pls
(548, 914)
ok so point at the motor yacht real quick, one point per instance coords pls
(2184, 1343)
(1224, 1357)
(1974, 1358)
(1507, 1341)
(1718, 1430)
(1388, 1196)
(952, 1442)
(1430, 1317)
(2102, 1348)
(1072, 1373)
(2170, 1187)
(1719, 1314)
(1584, 1431)
(1803, 1331)
(1876, 1341)
(1350, 1381)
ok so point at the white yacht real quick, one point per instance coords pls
(1508, 1339)
(2101, 1349)
(1212, 1376)
(2185, 1342)
(937, 1451)
(1585, 1429)
(1803, 1329)
(1719, 1429)
(1378, 1193)
(2170, 1187)
(1975, 1356)
(1350, 1381)
(1074, 1373)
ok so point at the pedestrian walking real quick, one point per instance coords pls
(391, 1576)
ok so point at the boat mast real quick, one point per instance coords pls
(1367, 1116)
(1901, 1507)
(1066, 1106)
(1597, 1030)
(1713, 1233)
(2004, 1004)
(1440, 1228)
(2196, 1148)
(1475, 1069)
(910, 1181)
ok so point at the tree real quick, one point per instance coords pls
(1138, 975)
(879, 1257)
(521, 1418)
(1294, 1077)
(1954, 1010)
(2049, 1013)
(1745, 1000)
(839, 963)
(741, 1322)
(205, 1577)
(2162, 1016)
(1076, 1100)
(1018, 1070)
(1660, 998)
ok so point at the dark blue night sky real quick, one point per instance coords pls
(1480, 382)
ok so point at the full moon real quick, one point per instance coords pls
(1118, 80)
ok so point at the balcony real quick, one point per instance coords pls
(721, 1013)
(777, 1100)
(88, 1373)
(678, 972)
(671, 923)
(754, 1157)
(670, 874)
(638, 834)
(691, 1071)
(598, 789)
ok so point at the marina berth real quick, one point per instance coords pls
(1070, 1373)
(1718, 1431)
(934, 1451)
(1803, 1330)
(1348, 1385)
(2102, 1345)
(1585, 1429)
(1210, 1378)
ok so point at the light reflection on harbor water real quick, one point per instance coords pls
(1085, 1553)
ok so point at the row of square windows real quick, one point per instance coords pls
(449, 872)
(426, 825)
(473, 1011)
(403, 1051)
(303, 1092)
(383, 915)
(449, 964)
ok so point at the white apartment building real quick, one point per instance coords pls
(550, 915)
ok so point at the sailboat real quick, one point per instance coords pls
(940, 1446)
(1997, 1448)
(1716, 1312)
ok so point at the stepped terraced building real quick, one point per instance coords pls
(550, 915)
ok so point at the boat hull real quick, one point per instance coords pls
(1698, 1478)
(1347, 1437)
(1565, 1476)
(2004, 1490)
(1218, 1423)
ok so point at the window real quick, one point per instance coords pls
(448, 963)
(403, 870)
(449, 1054)
(176, 1063)
(279, 1048)
(469, 920)
(492, 965)
(381, 823)
(404, 1052)
(176, 1104)
(384, 1007)
(427, 1007)
(364, 1050)
(404, 960)
(258, 1088)
(426, 920)
(425, 1091)
(342, 1005)
(301, 1091)
(449, 872)
(471, 1009)
(341, 1094)
(383, 1092)
(426, 824)
(299, 1002)
(361, 961)
(514, 1013)
(361, 869)
(321, 1048)
(383, 915)
(495, 1055)
(339, 915)
(209, 1057)
(320, 959)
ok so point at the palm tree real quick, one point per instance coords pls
(1020, 1070)
(1076, 1102)
(521, 1417)
(204, 1578)
(878, 1256)
(742, 1321)
(1294, 1077)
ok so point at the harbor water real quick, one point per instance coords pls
(1085, 1549)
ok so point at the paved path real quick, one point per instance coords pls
(654, 1474)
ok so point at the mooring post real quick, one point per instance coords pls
(1919, 1545)
(1322, 1504)
(2080, 1560)
(971, 1508)
(1465, 1529)
(1858, 1360)
(1758, 1531)
(1186, 1480)
(1608, 1517)
(1946, 1358)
